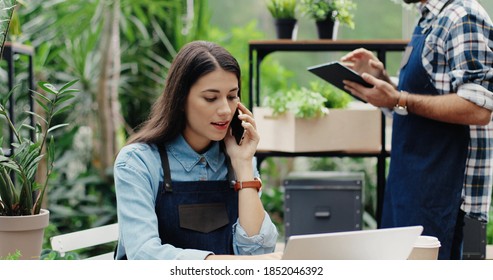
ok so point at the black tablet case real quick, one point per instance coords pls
(334, 73)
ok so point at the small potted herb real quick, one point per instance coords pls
(328, 14)
(303, 103)
(308, 103)
(299, 120)
(284, 14)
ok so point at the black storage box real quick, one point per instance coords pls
(474, 247)
(320, 202)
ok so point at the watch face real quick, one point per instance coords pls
(400, 110)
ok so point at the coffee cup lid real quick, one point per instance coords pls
(425, 241)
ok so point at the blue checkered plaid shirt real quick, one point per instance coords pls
(459, 58)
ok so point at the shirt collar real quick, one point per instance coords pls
(432, 6)
(429, 12)
(189, 158)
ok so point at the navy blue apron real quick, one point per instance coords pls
(197, 214)
(427, 166)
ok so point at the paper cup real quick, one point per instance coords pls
(425, 248)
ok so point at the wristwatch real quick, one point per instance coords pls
(401, 106)
(256, 184)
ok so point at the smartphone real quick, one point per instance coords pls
(236, 128)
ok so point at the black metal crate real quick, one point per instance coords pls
(320, 201)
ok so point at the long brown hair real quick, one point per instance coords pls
(167, 118)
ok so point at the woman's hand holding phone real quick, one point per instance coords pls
(245, 151)
(236, 128)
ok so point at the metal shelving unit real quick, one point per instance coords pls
(10, 51)
(258, 50)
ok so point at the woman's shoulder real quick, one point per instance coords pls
(140, 152)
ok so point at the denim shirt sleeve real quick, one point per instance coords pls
(137, 175)
(262, 243)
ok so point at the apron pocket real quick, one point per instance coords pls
(203, 217)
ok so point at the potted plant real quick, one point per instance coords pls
(284, 14)
(22, 221)
(328, 14)
(302, 103)
(299, 120)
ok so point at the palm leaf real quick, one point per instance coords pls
(65, 88)
(6, 10)
(63, 109)
(7, 163)
(56, 127)
(63, 98)
(38, 116)
(7, 192)
(49, 88)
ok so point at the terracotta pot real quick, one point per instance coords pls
(327, 29)
(286, 28)
(23, 233)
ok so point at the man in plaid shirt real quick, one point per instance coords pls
(442, 136)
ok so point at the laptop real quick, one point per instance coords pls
(377, 244)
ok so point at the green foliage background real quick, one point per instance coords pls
(66, 37)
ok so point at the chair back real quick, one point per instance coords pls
(86, 238)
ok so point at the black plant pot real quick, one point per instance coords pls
(285, 28)
(327, 29)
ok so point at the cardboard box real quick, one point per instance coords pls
(348, 130)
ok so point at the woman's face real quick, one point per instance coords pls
(209, 108)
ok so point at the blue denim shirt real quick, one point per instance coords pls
(138, 172)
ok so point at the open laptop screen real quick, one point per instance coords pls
(378, 244)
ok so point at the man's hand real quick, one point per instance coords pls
(382, 94)
(364, 61)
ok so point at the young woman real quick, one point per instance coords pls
(185, 189)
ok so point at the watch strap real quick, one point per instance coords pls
(402, 101)
(255, 184)
(401, 106)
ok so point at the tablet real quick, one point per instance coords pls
(335, 72)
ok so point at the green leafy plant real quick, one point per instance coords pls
(302, 102)
(282, 9)
(20, 193)
(338, 10)
(309, 102)
(336, 98)
(6, 10)
(14, 256)
(48, 254)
